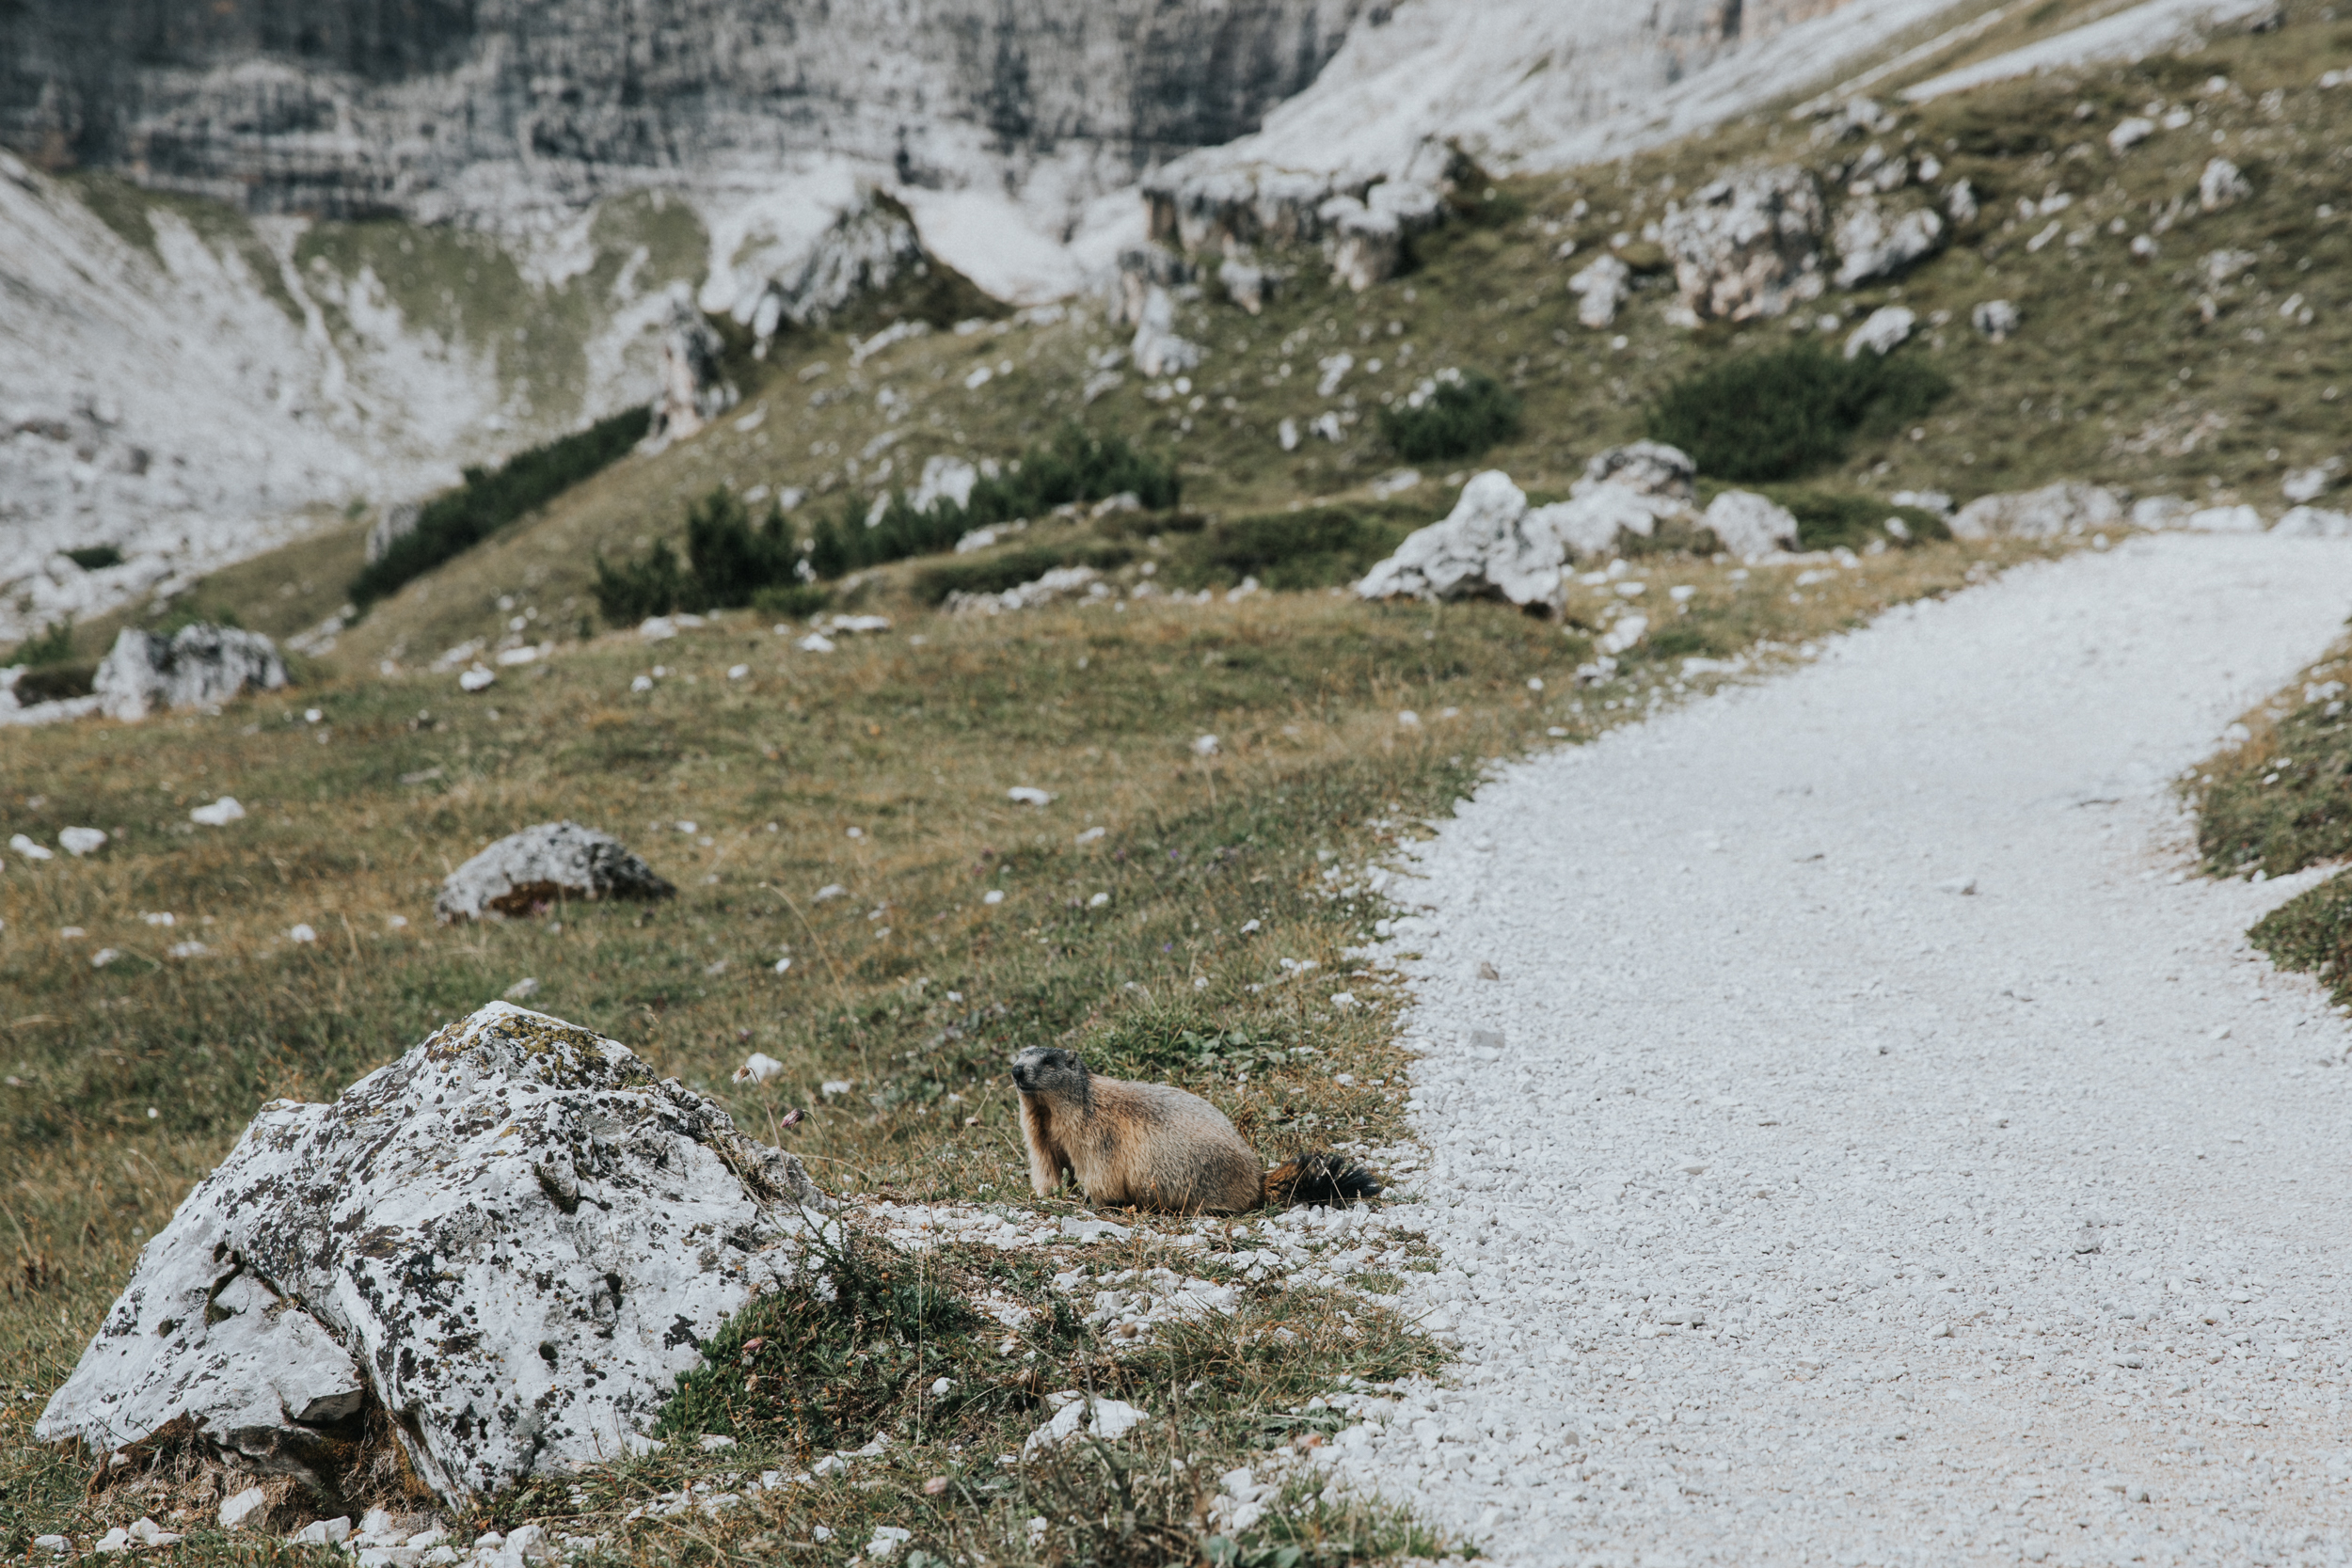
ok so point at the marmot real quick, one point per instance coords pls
(1150, 1146)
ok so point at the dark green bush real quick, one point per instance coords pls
(91, 558)
(1077, 466)
(1459, 420)
(1779, 415)
(456, 520)
(729, 561)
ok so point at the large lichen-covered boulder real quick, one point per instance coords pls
(540, 865)
(513, 1240)
(1745, 245)
(198, 666)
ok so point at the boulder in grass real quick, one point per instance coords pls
(1484, 547)
(1750, 526)
(513, 1240)
(541, 865)
(198, 666)
(2054, 512)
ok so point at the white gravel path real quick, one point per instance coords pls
(1810, 1211)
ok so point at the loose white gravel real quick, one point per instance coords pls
(1809, 1210)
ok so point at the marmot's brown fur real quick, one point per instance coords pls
(1150, 1146)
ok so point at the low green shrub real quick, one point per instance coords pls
(49, 683)
(2313, 932)
(1828, 518)
(1316, 547)
(730, 561)
(792, 600)
(92, 558)
(1461, 418)
(456, 520)
(1077, 466)
(1785, 413)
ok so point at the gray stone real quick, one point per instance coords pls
(1747, 245)
(1157, 350)
(1748, 524)
(1876, 239)
(694, 390)
(1600, 286)
(1646, 467)
(1882, 332)
(1594, 523)
(866, 249)
(1995, 318)
(1490, 546)
(541, 865)
(2222, 184)
(196, 666)
(2315, 522)
(514, 1237)
(2055, 511)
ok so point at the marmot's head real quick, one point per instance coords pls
(1049, 1069)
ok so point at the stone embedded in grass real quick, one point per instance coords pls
(1995, 318)
(29, 849)
(541, 865)
(78, 842)
(1029, 795)
(1750, 526)
(2055, 511)
(1882, 331)
(993, 896)
(1877, 239)
(480, 677)
(2225, 520)
(344, 1254)
(1105, 1420)
(2222, 184)
(199, 666)
(1744, 245)
(1205, 746)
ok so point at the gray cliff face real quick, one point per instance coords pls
(438, 108)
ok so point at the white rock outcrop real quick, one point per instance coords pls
(1646, 467)
(2225, 520)
(1369, 235)
(1747, 245)
(196, 666)
(2055, 511)
(1750, 526)
(1882, 332)
(514, 1239)
(1876, 239)
(1995, 318)
(2222, 184)
(694, 388)
(1600, 286)
(543, 864)
(1489, 544)
(1157, 350)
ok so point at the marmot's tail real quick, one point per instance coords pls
(1321, 1178)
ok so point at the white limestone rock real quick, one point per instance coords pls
(1750, 526)
(1747, 245)
(1646, 467)
(1485, 546)
(2225, 520)
(2222, 184)
(1876, 239)
(2315, 522)
(1882, 332)
(2161, 512)
(198, 666)
(540, 865)
(2055, 511)
(1600, 286)
(1600, 514)
(1995, 318)
(1157, 350)
(694, 388)
(514, 1237)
